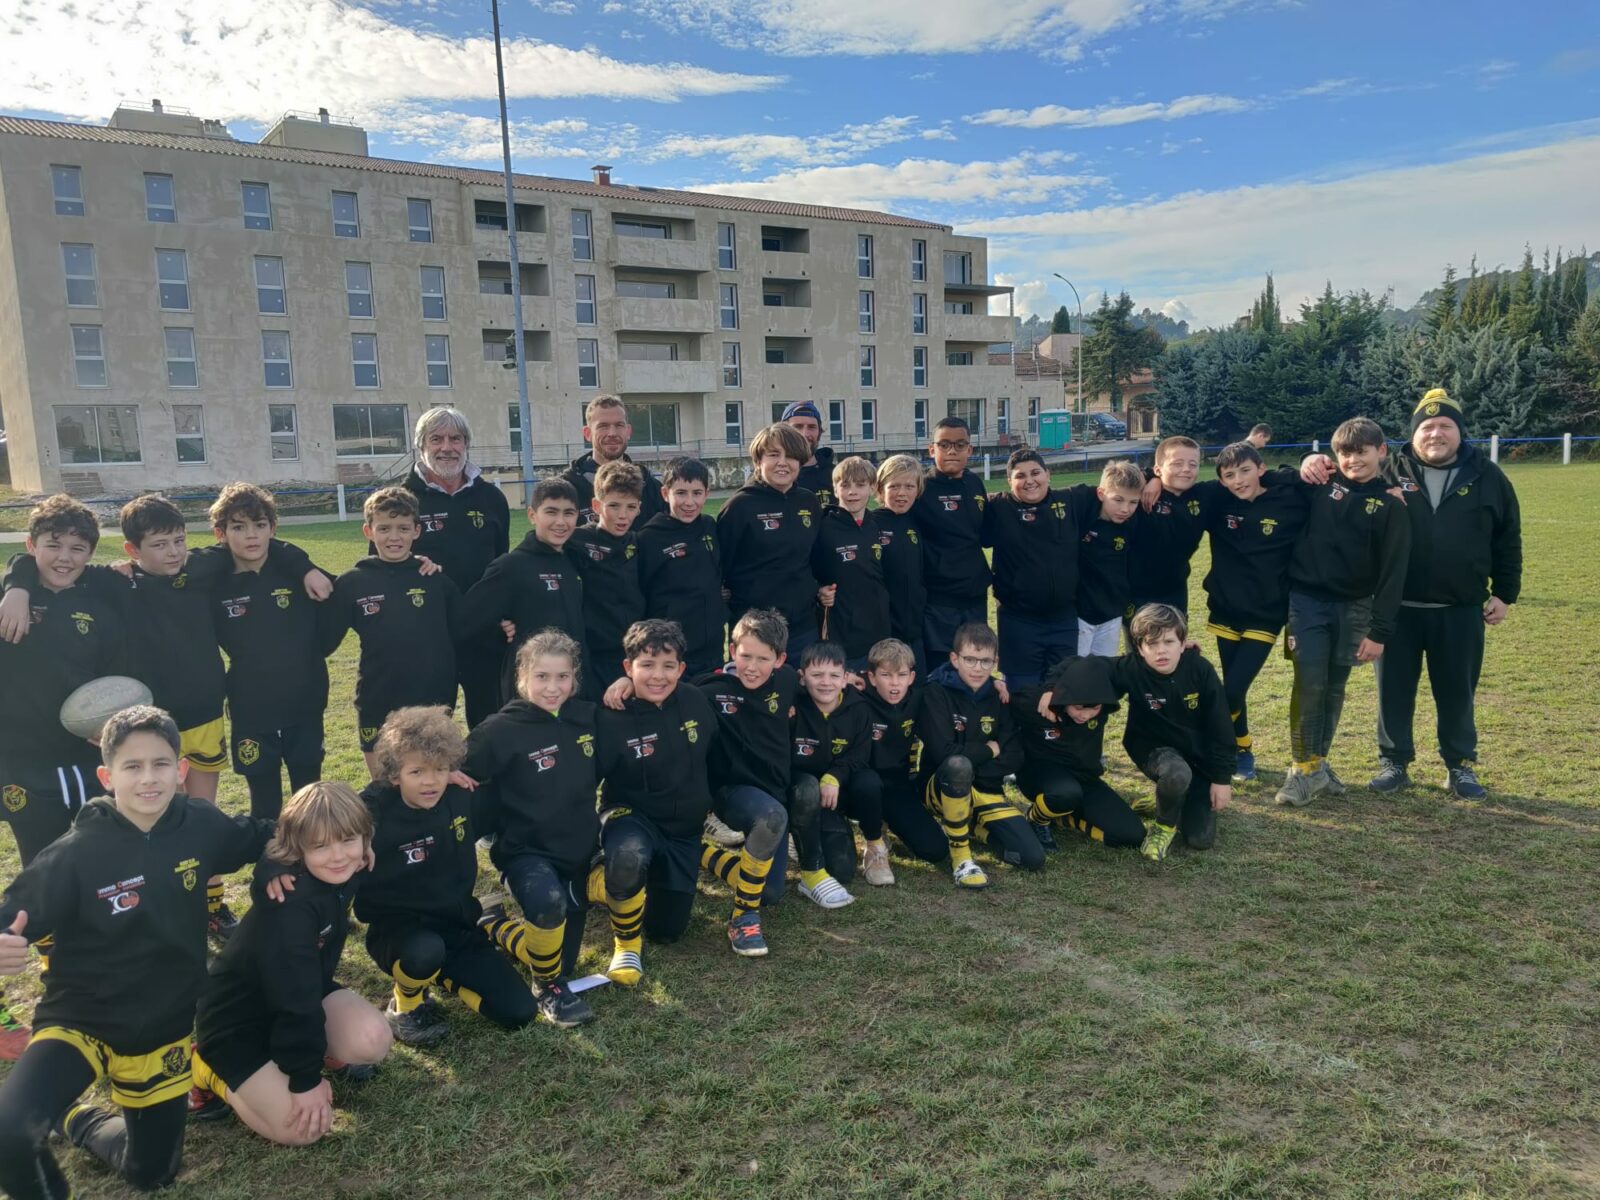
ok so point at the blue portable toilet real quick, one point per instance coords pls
(1055, 429)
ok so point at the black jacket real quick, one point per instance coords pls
(463, 531)
(1105, 548)
(680, 573)
(1185, 711)
(581, 476)
(765, 538)
(949, 515)
(835, 744)
(903, 572)
(275, 971)
(273, 635)
(540, 769)
(817, 477)
(425, 860)
(127, 910)
(613, 599)
(1165, 539)
(956, 720)
(407, 623)
(894, 731)
(1062, 743)
(752, 746)
(849, 554)
(1355, 544)
(535, 587)
(1252, 542)
(652, 760)
(1035, 555)
(1470, 547)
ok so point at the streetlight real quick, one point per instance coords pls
(1079, 354)
(525, 416)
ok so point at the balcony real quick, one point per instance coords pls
(787, 321)
(661, 254)
(980, 379)
(636, 377)
(494, 309)
(985, 329)
(785, 264)
(639, 315)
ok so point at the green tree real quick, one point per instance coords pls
(1579, 405)
(1265, 315)
(1116, 349)
(1062, 321)
(1443, 313)
(1199, 392)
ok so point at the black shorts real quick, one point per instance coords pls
(40, 803)
(258, 751)
(674, 861)
(238, 1053)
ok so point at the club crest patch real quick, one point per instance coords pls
(1192, 699)
(418, 596)
(249, 751)
(175, 1061)
(986, 724)
(692, 729)
(1373, 505)
(281, 597)
(13, 797)
(475, 517)
(83, 621)
(1268, 524)
(586, 740)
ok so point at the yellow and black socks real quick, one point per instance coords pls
(627, 931)
(746, 875)
(409, 993)
(595, 886)
(537, 948)
(213, 896)
(955, 818)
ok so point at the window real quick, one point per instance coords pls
(919, 312)
(958, 308)
(728, 305)
(364, 359)
(358, 289)
(726, 259)
(585, 291)
(276, 367)
(777, 411)
(172, 274)
(582, 235)
(919, 366)
(588, 363)
(733, 423)
(419, 220)
(256, 201)
(67, 185)
(159, 201)
(628, 227)
(514, 426)
(864, 255)
(88, 356)
(648, 351)
(957, 267)
(83, 288)
(283, 432)
(864, 307)
(772, 299)
(777, 355)
(919, 420)
(638, 289)
(771, 241)
(346, 215)
(836, 420)
(869, 366)
(970, 411)
(270, 295)
(656, 424)
(919, 260)
(369, 430)
(189, 428)
(869, 420)
(1002, 414)
(730, 364)
(436, 350)
(98, 433)
(1033, 416)
(182, 369)
(433, 307)
(958, 358)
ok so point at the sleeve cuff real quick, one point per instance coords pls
(829, 779)
(304, 1081)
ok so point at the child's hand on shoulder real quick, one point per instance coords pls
(426, 565)
(618, 693)
(464, 781)
(317, 584)
(1045, 711)
(14, 946)
(15, 616)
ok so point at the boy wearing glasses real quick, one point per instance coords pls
(949, 514)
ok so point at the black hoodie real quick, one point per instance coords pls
(1356, 542)
(903, 572)
(1252, 542)
(1104, 551)
(534, 587)
(957, 720)
(1185, 711)
(609, 566)
(752, 746)
(652, 760)
(273, 636)
(849, 554)
(765, 538)
(1470, 547)
(463, 531)
(817, 477)
(581, 476)
(127, 910)
(893, 728)
(275, 971)
(1035, 555)
(834, 745)
(949, 515)
(406, 622)
(680, 572)
(425, 860)
(540, 769)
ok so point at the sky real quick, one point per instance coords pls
(1178, 149)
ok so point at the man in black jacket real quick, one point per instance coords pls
(816, 474)
(606, 429)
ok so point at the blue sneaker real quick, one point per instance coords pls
(1046, 836)
(1244, 765)
(1463, 783)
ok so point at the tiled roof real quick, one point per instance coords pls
(71, 131)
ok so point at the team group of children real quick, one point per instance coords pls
(692, 696)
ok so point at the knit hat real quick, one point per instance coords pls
(803, 408)
(1436, 402)
(1085, 681)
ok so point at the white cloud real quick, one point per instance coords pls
(255, 59)
(1178, 310)
(1391, 228)
(747, 149)
(1023, 179)
(1032, 296)
(470, 137)
(1103, 115)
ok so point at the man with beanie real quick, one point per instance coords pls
(817, 474)
(1464, 572)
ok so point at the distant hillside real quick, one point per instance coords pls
(1407, 318)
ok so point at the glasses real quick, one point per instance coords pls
(977, 664)
(952, 446)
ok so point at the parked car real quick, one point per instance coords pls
(1107, 426)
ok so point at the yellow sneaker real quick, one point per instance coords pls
(969, 875)
(626, 968)
(1157, 840)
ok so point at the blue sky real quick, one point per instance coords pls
(1178, 148)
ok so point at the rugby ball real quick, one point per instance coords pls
(87, 710)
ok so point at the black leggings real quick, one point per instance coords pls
(266, 789)
(546, 900)
(629, 852)
(1242, 660)
(1084, 803)
(804, 804)
(143, 1145)
(468, 966)
(1183, 795)
(994, 820)
(909, 819)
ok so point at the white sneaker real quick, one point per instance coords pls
(969, 875)
(829, 893)
(875, 866)
(722, 834)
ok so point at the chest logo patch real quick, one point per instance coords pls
(552, 583)
(1373, 505)
(586, 740)
(475, 517)
(281, 597)
(692, 729)
(13, 797)
(434, 522)
(83, 622)
(1268, 524)
(459, 824)
(1194, 508)
(805, 517)
(249, 751)
(770, 521)
(1119, 543)
(1192, 700)
(419, 597)
(122, 896)
(986, 724)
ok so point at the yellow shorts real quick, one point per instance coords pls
(137, 1080)
(205, 747)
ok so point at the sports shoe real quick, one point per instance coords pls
(418, 1027)
(1391, 777)
(560, 1005)
(350, 1072)
(1045, 834)
(828, 893)
(1013, 793)
(721, 833)
(221, 924)
(626, 968)
(1300, 788)
(1335, 785)
(1244, 765)
(875, 866)
(969, 875)
(1157, 840)
(206, 1105)
(1462, 783)
(744, 933)
(1143, 803)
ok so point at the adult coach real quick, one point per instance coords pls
(466, 525)
(1464, 572)
(816, 475)
(607, 430)
(950, 515)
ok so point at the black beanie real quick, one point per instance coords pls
(1436, 402)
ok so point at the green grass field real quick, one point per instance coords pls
(1367, 998)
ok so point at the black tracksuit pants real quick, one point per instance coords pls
(1450, 639)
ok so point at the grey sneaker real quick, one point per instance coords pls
(1300, 788)
(417, 1027)
(1463, 783)
(1391, 777)
(1335, 784)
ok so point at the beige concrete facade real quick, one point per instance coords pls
(648, 301)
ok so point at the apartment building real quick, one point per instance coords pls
(181, 308)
